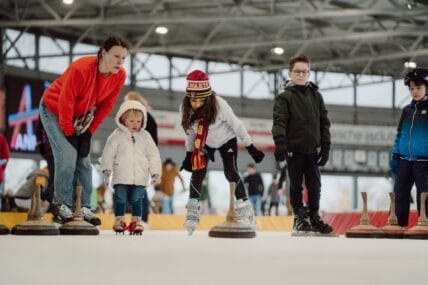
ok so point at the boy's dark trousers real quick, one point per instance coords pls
(409, 172)
(304, 165)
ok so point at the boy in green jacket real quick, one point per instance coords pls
(302, 139)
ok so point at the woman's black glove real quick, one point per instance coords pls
(84, 144)
(73, 140)
(187, 162)
(256, 154)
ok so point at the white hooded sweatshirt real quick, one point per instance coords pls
(132, 157)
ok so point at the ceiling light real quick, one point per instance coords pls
(278, 50)
(161, 30)
(68, 2)
(410, 64)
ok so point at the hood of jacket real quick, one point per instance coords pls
(288, 84)
(130, 105)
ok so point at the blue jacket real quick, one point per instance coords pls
(411, 141)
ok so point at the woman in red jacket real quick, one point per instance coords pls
(71, 110)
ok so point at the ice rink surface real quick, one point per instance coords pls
(173, 258)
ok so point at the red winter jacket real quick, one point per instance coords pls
(4, 154)
(80, 88)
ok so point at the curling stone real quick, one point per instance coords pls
(392, 229)
(35, 225)
(78, 226)
(232, 228)
(364, 229)
(420, 231)
(4, 230)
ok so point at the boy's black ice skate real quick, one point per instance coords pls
(320, 228)
(301, 226)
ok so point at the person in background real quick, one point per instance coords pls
(301, 132)
(274, 193)
(210, 125)
(169, 172)
(45, 151)
(4, 159)
(409, 163)
(38, 177)
(206, 205)
(71, 110)
(255, 187)
(131, 157)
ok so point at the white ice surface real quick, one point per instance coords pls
(173, 258)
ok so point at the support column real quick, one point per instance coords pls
(132, 71)
(355, 191)
(355, 108)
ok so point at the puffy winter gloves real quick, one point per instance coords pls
(187, 162)
(394, 164)
(84, 144)
(280, 154)
(280, 151)
(322, 157)
(256, 154)
(81, 143)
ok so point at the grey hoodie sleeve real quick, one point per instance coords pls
(226, 114)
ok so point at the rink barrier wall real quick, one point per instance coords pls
(341, 222)
(165, 222)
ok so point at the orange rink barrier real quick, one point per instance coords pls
(166, 222)
(341, 222)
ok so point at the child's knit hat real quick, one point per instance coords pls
(198, 85)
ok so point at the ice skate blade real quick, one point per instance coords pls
(302, 234)
(332, 234)
(78, 227)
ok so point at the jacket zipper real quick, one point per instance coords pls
(133, 148)
(411, 129)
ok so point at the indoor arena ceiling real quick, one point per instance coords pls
(355, 36)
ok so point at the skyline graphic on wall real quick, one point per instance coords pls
(27, 115)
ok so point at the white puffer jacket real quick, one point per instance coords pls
(132, 157)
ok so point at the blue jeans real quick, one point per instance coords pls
(133, 194)
(70, 169)
(256, 202)
(167, 206)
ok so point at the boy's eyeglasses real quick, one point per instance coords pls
(298, 71)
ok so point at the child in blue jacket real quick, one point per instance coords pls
(409, 162)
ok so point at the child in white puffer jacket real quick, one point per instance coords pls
(131, 156)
